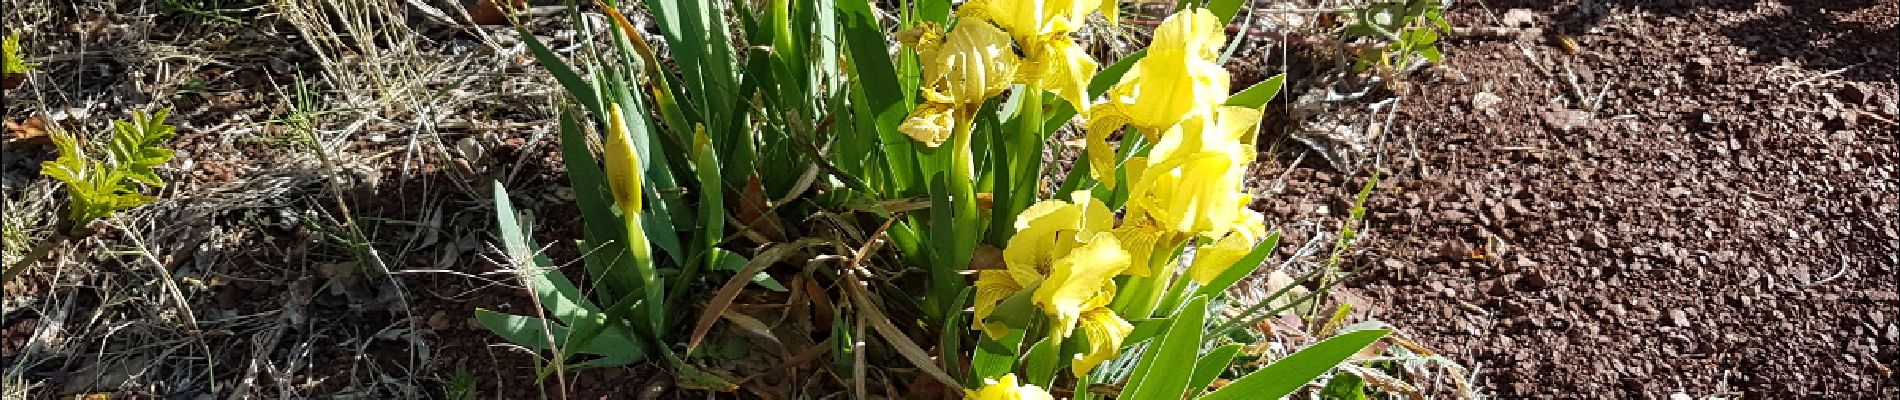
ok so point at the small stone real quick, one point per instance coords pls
(1454, 250)
(1500, 288)
(1852, 93)
(1483, 101)
(1519, 18)
(1393, 264)
(1596, 240)
(439, 321)
(1678, 317)
(1533, 281)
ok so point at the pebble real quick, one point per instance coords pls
(1678, 317)
(1596, 240)
(1500, 288)
(1533, 281)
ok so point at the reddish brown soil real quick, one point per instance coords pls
(1723, 225)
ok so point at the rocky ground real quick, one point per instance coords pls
(1697, 198)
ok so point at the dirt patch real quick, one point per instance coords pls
(1698, 200)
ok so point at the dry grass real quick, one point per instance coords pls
(141, 310)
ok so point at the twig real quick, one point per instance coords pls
(1811, 79)
(33, 257)
(869, 310)
(178, 296)
(1876, 117)
(1576, 89)
(1596, 103)
(1279, 185)
(1837, 274)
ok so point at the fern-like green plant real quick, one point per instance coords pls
(10, 56)
(97, 187)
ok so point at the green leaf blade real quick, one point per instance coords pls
(1289, 374)
(1165, 370)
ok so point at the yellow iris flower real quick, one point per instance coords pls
(1041, 28)
(1028, 20)
(1180, 76)
(1006, 388)
(1077, 282)
(1189, 182)
(1050, 236)
(1068, 253)
(966, 67)
(1141, 236)
(1065, 70)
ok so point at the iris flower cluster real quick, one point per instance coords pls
(1068, 254)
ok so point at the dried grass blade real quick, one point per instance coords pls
(869, 311)
(723, 298)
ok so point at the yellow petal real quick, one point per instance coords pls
(930, 123)
(1251, 224)
(1006, 388)
(1102, 124)
(1165, 87)
(1213, 259)
(1104, 331)
(1238, 123)
(1140, 238)
(1027, 20)
(991, 288)
(1178, 77)
(1096, 217)
(1040, 231)
(1018, 17)
(1201, 196)
(974, 63)
(1076, 279)
(1197, 32)
(1067, 69)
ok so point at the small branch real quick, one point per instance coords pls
(33, 257)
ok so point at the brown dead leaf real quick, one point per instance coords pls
(757, 329)
(756, 214)
(490, 12)
(986, 257)
(821, 305)
(30, 132)
(724, 296)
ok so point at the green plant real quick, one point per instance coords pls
(576, 326)
(674, 148)
(11, 62)
(1411, 27)
(98, 187)
(460, 386)
(941, 143)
